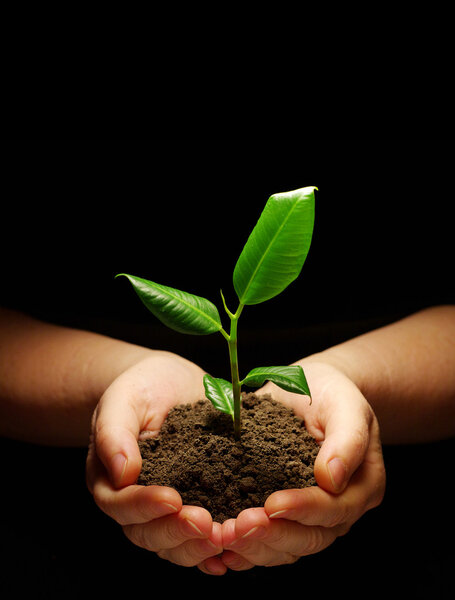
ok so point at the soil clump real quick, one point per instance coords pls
(196, 453)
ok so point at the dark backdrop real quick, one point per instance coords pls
(76, 212)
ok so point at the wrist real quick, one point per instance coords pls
(345, 362)
(104, 360)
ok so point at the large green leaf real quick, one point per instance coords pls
(277, 247)
(178, 310)
(291, 379)
(219, 392)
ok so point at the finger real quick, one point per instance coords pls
(213, 566)
(234, 531)
(346, 419)
(228, 532)
(232, 559)
(191, 523)
(284, 541)
(115, 433)
(236, 562)
(135, 503)
(311, 506)
(197, 551)
(250, 521)
(281, 541)
(260, 553)
(190, 553)
(250, 542)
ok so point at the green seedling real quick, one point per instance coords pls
(271, 259)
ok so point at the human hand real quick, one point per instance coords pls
(134, 407)
(349, 471)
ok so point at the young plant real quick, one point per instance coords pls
(271, 259)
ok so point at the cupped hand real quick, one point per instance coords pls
(349, 471)
(133, 407)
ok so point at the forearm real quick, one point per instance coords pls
(52, 377)
(406, 371)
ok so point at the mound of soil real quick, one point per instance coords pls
(196, 453)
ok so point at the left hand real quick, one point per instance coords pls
(349, 471)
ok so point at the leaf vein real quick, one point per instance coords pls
(267, 250)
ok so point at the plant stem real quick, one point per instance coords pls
(236, 388)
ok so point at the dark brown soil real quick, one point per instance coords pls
(196, 453)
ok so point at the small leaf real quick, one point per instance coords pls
(219, 392)
(178, 310)
(291, 379)
(277, 248)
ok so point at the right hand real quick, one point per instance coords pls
(134, 406)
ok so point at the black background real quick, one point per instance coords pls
(179, 211)
(76, 212)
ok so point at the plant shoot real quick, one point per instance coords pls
(271, 259)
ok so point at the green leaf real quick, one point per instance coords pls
(178, 310)
(277, 247)
(219, 392)
(291, 379)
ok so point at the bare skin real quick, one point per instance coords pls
(402, 375)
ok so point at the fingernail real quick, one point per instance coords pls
(170, 506)
(258, 529)
(242, 542)
(215, 567)
(194, 527)
(250, 532)
(212, 546)
(118, 467)
(278, 513)
(337, 472)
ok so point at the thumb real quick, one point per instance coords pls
(115, 433)
(346, 440)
